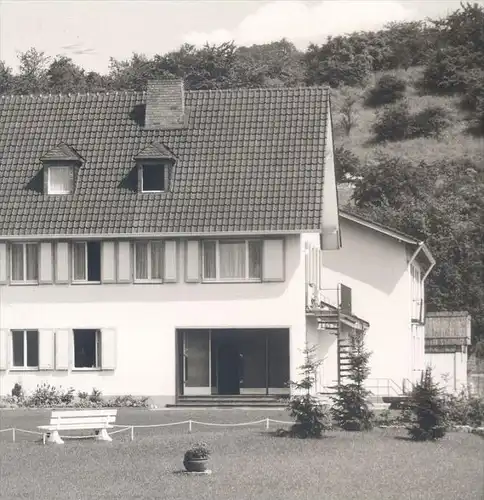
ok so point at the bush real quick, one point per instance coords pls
(394, 123)
(428, 408)
(46, 395)
(388, 90)
(346, 164)
(430, 122)
(128, 401)
(17, 391)
(198, 451)
(465, 409)
(351, 409)
(312, 419)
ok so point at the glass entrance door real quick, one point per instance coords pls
(196, 363)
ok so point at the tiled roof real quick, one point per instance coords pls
(62, 152)
(249, 160)
(154, 151)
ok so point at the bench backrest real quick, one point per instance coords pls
(82, 417)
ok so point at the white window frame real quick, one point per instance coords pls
(97, 352)
(86, 258)
(158, 165)
(24, 281)
(218, 278)
(24, 365)
(71, 181)
(417, 292)
(150, 279)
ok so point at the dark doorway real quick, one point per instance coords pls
(229, 368)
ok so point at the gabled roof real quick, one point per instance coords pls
(154, 151)
(61, 152)
(249, 161)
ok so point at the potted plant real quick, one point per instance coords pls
(196, 458)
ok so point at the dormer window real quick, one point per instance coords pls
(61, 165)
(155, 168)
(60, 179)
(152, 177)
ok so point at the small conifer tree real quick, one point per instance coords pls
(312, 419)
(428, 409)
(351, 408)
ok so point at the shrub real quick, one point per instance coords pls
(312, 419)
(387, 90)
(47, 395)
(198, 451)
(346, 164)
(394, 123)
(428, 408)
(465, 409)
(351, 409)
(95, 396)
(128, 401)
(17, 391)
(430, 122)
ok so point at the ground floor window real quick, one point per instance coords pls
(25, 347)
(87, 348)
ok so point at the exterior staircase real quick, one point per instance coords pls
(235, 401)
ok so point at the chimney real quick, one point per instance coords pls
(165, 105)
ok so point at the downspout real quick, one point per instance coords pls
(414, 256)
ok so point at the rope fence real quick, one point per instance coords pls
(131, 428)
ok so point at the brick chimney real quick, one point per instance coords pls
(165, 105)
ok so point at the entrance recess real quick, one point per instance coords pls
(233, 361)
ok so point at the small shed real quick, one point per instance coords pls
(447, 337)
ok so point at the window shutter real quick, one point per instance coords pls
(108, 262)
(62, 348)
(192, 261)
(124, 262)
(273, 260)
(46, 349)
(4, 349)
(3, 263)
(108, 349)
(170, 262)
(62, 263)
(46, 263)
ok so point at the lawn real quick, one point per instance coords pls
(247, 463)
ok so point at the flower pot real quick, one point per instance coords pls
(196, 464)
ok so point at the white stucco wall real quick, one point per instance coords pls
(449, 369)
(375, 267)
(145, 317)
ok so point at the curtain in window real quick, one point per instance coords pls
(32, 261)
(255, 258)
(232, 260)
(60, 180)
(80, 271)
(209, 260)
(141, 251)
(156, 260)
(17, 262)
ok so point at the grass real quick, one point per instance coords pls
(456, 142)
(247, 463)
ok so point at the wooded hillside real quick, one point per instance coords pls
(408, 105)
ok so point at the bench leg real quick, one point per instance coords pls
(102, 435)
(54, 438)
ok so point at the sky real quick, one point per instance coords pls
(92, 31)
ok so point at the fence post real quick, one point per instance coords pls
(267, 424)
(189, 426)
(13, 434)
(132, 433)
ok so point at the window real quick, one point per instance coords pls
(24, 262)
(25, 347)
(148, 260)
(60, 180)
(87, 348)
(416, 292)
(152, 177)
(232, 260)
(86, 258)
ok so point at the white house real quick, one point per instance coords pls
(447, 337)
(163, 243)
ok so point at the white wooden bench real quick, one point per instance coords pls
(68, 420)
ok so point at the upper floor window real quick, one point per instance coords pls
(86, 261)
(60, 179)
(232, 260)
(152, 177)
(416, 292)
(24, 262)
(25, 348)
(148, 257)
